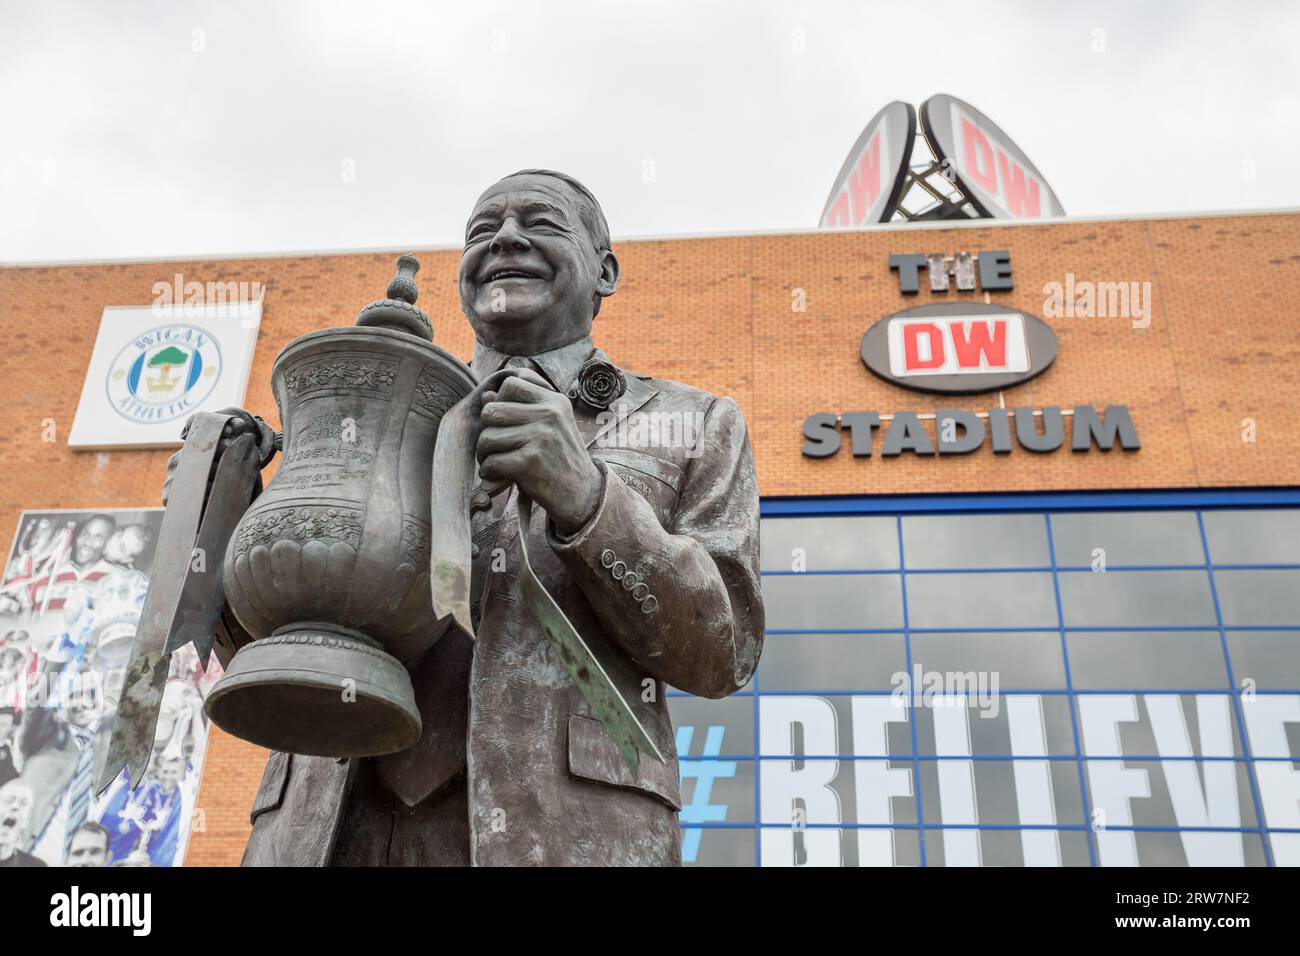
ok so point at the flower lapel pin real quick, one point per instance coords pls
(598, 385)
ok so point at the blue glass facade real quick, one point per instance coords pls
(1076, 679)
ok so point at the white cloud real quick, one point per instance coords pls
(155, 149)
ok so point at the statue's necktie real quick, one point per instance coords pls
(524, 362)
(486, 523)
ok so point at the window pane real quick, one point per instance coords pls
(1273, 731)
(1021, 661)
(839, 543)
(1127, 537)
(1266, 536)
(975, 541)
(1010, 848)
(818, 602)
(1158, 725)
(787, 846)
(831, 661)
(717, 788)
(1156, 660)
(1169, 848)
(1136, 598)
(1259, 597)
(733, 718)
(1163, 776)
(1008, 725)
(840, 805)
(1013, 599)
(863, 725)
(718, 846)
(947, 788)
(1269, 658)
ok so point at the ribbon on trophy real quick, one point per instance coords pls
(185, 597)
(455, 497)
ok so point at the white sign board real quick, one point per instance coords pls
(155, 366)
(958, 345)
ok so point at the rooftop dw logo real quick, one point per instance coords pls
(164, 373)
(869, 182)
(958, 348)
(993, 172)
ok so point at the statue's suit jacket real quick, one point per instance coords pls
(545, 784)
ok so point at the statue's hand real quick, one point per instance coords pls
(529, 436)
(243, 422)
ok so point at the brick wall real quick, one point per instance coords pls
(1223, 346)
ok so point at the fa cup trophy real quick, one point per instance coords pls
(329, 569)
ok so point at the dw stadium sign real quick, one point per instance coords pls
(958, 348)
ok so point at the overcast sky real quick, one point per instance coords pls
(143, 129)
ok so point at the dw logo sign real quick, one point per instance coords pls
(958, 348)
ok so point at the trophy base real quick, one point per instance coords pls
(317, 689)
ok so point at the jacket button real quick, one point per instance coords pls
(641, 590)
(649, 605)
(606, 557)
(630, 580)
(618, 570)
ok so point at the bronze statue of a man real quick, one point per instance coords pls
(649, 548)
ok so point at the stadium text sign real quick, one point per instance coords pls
(994, 271)
(958, 431)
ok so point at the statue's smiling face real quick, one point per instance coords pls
(529, 272)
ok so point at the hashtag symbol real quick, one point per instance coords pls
(703, 772)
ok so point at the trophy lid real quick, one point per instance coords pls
(399, 311)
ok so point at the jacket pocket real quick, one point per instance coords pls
(645, 468)
(270, 795)
(594, 756)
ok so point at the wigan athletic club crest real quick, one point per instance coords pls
(164, 373)
(155, 366)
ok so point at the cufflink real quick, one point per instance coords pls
(606, 558)
(649, 605)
